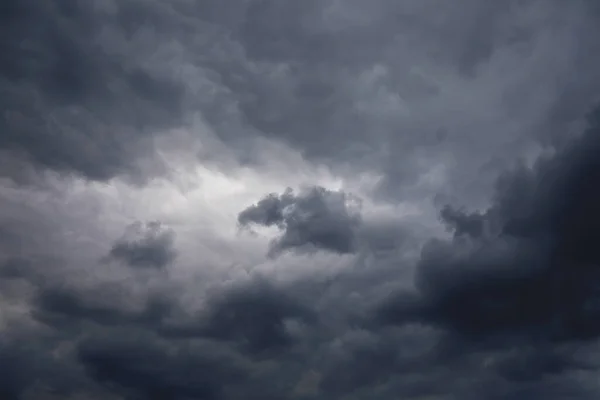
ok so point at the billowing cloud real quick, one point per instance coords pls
(71, 102)
(420, 181)
(317, 218)
(527, 265)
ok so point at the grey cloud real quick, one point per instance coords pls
(370, 359)
(355, 84)
(66, 308)
(462, 222)
(145, 245)
(241, 343)
(14, 268)
(107, 346)
(149, 345)
(255, 317)
(147, 368)
(316, 218)
(426, 98)
(321, 219)
(533, 270)
(385, 87)
(69, 104)
(24, 364)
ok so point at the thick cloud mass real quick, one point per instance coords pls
(310, 200)
(529, 264)
(70, 101)
(318, 218)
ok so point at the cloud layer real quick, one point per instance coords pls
(299, 200)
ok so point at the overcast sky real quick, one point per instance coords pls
(311, 200)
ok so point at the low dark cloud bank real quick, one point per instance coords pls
(510, 300)
(432, 101)
(528, 264)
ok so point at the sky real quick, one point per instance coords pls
(304, 200)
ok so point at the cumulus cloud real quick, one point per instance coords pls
(421, 178)
(317, 218)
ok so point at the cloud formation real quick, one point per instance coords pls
(528, 264)
(421, 180)
(148, 245)
(71, 102)
(315, 219)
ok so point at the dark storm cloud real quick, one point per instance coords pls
(98, 339)
(66, 308)
(374, 359)
(70, 103)
(14, 268)
(142, 367)
(25, 362)
(526, 266)
(156, 351)
(353, 85)
(255, 318)
(316, 218)
(425, 97)
(145, 245)
(462, 222)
